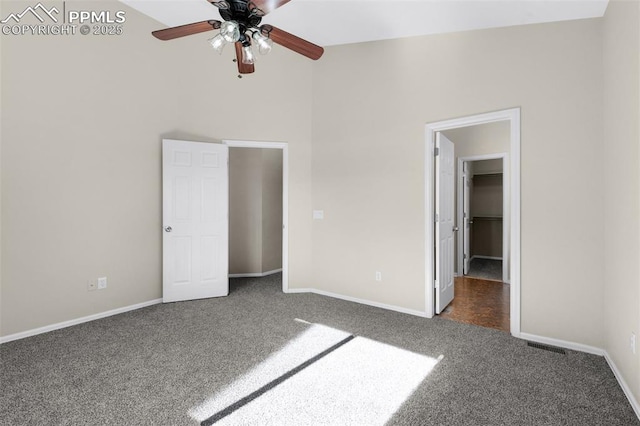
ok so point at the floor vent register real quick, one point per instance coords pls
(547, 348)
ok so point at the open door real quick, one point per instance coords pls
(445, 224)
(195, 200)
(466, 217)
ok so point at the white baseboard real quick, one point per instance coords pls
(65, 324)
(361, 301)
(299, 290)
(591, 350)
(255, 274)
(562, 344)
(623, 384)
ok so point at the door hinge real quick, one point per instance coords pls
(464, 256)
(437, 218)
(435, 285)
(436, 152)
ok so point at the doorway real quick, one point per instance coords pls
(482, 249)
(195, 217)
(482, 296)
(511, 242)
(284, 148)
(255, 212)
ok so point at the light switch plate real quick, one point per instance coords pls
(102, 283)
(318, 214)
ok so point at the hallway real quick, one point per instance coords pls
(480, 302)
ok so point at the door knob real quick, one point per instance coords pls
(168, 229)
(455, 229)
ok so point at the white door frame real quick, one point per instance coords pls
(505, 202)
(513, 116)
(285, 196)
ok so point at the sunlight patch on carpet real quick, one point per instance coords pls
(308, 344)
(361, 382)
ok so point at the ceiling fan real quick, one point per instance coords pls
(241, 27)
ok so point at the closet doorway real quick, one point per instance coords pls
(483, 237)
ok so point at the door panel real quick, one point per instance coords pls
(195, 220)
(445, 215)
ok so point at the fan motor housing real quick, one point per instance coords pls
(239, 12)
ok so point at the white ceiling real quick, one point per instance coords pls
(332, 22)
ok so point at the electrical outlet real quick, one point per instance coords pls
(102, 283)
(632, 343)
(92, 285)
(378, 276)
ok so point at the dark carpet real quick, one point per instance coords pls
(486, 269)
(181, 363)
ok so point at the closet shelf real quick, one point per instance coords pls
(487, 217)
(488, 175)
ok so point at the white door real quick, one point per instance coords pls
(195, 200)
(466, 217)
(444, 222)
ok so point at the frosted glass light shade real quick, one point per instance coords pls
(218, 43)
(247, 55)
(264, 43)
(230, 30)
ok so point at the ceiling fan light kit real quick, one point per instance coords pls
(247, 55)
(264, 43)
(230, 31)
(218, 43)
(241, 25)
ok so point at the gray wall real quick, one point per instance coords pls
(486, 211)
(487, 195)
(621, 287)
(490, 166)
(271, 209)
(371, 102)
(81, 165)
(245, 210)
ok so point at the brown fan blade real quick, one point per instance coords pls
(292, 42)
(242, 67)
(267, 6)
(185, 30)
